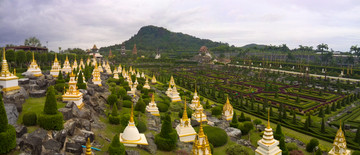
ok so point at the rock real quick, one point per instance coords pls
(73, 148)
(60, 136)
(194, 123)
(70, 104)
(88, 134)
(83, 123)
(184, 147)
(18, 98)
(69, 126)
(12, 113)
(87, 97)
(67, 113)
(153, 122)
(52, 145)
(75, 110)
(20, 130)
(40, 132)
(90, 91)
(151, 148)
(32, 145)
(222, 124)
(37, 93)
(85, 113)
(244, 142)
(132, 152)
(84, 91)
(233, 133)
(23, 81)
(79, 139)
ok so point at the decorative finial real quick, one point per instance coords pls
(4, 58)
(33, 57)
(185, 116)
(132, 114)
(340, 125)
(268, 125)
(15, 71)
(88, 147)
(153, 98)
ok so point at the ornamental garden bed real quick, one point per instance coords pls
(313, 94)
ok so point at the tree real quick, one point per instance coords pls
(311, 145)
(294, 117)
(321, 113)
(140, 106)
(114, 111)
(242, 117)
(116, 148)
(166, 139)
(283, 146)
(80, 81)
(234, 121)
(323, 125)
(7, 131)
(20, 58)
(318, 152)
(278, 133)
(32, 41)
(112, 99)
(50, 107)
(3, 116)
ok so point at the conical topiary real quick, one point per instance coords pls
(3, 116)
(116, 148)
(50, 107)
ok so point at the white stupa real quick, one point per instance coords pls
(268, 145)
(169, 90)
(174, 95)
(153, 80)
(152, 108)
(100, 68)
(138, 75)
(73, 94)
(199, 113)
(116, 75)
(82, 65)
(66, 67)
(131, 136)
(96, 76)
(228, 110)
(119, 68)
(195, 100)
(143, 75)
(8, 80)
(34, 69)
(146, 85)
(185, 131)
(55, 68)
(75, 65)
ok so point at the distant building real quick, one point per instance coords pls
(94, 51)
(123, 49)
(28, 48)
(134, 51)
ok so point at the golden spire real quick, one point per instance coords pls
(88, 147)
(268, 123)
(67, 59)
(33, 57)
(132, 114)
(72, 74)
(15, 71)
(227, 105)
(170, 84)
(195, 89)
(56, 60)
(4, 54)
(201, 130)
(185, 116)
(153, 98)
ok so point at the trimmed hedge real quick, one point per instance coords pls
(114, 119)
(51, 122)
(166, 144)
(216, 136)
(127, 104)
(141, 126)
(29, 119)
(7, 139)
(162, 107)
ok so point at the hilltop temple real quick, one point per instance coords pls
(73, 94)
(201, 144)
(34, 69)
(55, 68)
(228, 110)
(152, 108)
(8, 80)
(185, 131)
(268, 145)
(339, 145)
(131, 136)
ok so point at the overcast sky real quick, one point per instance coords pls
(82, 23)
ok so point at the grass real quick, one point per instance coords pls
(35, 105)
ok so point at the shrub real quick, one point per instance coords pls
(216, 136)
(51, 122)
(216, 111)
(245, 127)
(162, 107)
(60, 87)
(127, 103)
(236, 149)
(356, 153)
(124, 120)
(8, 139)
(112, 99)
(166, 139)
(114, 119)
(141, 126)
(311, 145)
(291, 146)
(234, 122)
(29, 119)
(3, 116)
(242, 117)
(50, 106)
(140, 106)
(81, 85)
(116, 148)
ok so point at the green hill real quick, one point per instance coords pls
(153, 38)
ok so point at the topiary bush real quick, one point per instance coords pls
(112, 99)
(236, 149)
(29, 119)
(141, 126)
(8, 139)
(114, 118)
(162, 107)
(167, 138)
(116, 148)
(140, 106)
(216, 136)
(127, 104)
(292, 146)
(245, 127)
(51, 122)
(311, 145)
(216, 111)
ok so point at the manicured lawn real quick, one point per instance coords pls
(35, 105)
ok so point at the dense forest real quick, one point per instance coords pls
(159, 38)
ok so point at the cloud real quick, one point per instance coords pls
(82, 23)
